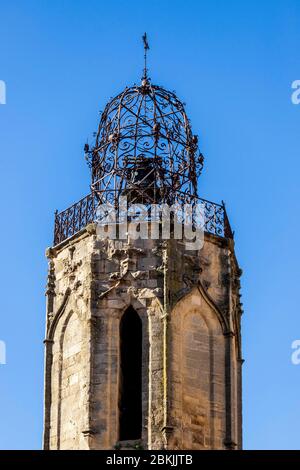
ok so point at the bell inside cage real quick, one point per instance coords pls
(144, 180)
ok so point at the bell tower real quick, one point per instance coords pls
(143, 327)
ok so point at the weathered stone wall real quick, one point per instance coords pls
(189, 306)
(123, 275)
(67, 380)
(68, 339)
(204, 347)
(197, 362)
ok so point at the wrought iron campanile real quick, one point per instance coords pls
(145, 146)
(145, 150)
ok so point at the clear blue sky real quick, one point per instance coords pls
(233, 63)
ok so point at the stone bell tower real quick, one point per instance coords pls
(143, 336)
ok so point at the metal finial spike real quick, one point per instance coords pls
(146, 48)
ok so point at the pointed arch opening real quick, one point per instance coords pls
(130, 393)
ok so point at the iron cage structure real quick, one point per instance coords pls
(144, 150)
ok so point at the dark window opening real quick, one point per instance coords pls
(130, 403)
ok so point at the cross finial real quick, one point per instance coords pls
(146, 48)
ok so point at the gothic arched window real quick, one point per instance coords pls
(130, 399)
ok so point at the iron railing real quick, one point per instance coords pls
(73, 219)
(79, 215)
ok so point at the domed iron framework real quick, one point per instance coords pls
(145, 149)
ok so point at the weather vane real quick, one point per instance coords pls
(146, 48)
